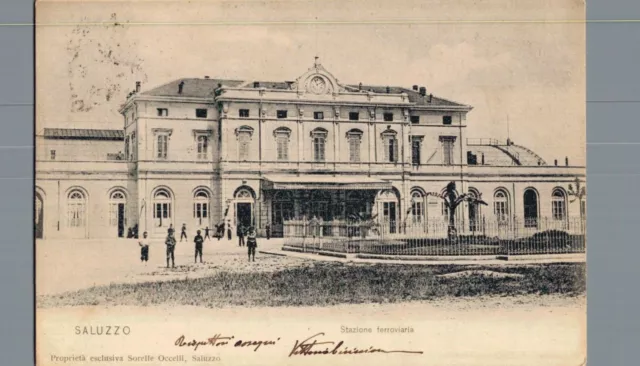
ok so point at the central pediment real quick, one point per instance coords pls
(317, 81)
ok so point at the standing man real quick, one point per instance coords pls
(171, 230)
(229, 229)
(206, 233)
(268, 229)
(198, 240)
(170, 242)
(252, 243)
(183, 233)
(240, 234)
(144, 248)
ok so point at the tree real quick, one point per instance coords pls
(578, 194)
(452, 199)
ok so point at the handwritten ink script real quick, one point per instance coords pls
(312, 346)
(219, 341)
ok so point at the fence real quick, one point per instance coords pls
(436, 238)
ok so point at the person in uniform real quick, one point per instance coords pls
(268, 229)
(240, 234)
(252, 243)
(170, 242)
(198, 240)
(144, 248)
(183, 233)
(171, 230)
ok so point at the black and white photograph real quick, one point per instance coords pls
(310, 182)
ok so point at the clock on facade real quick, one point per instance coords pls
(317, 85)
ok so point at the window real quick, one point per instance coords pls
(318, 115)
(117, 202)
(76, 209)
(446, 120)
(417, 207)
(390, 146)
(201, 113)
(319, 136)
(558, 204)
(162, 207)
(354, 137)
(415, 119)
(416, 147)
(52, 154)
(203, 145)
(126, 148)
(163, 112)
(447, 149)
(244, 113)
(162, 146)
(282, 135)
(354, 116)
(134, 147)
(388, 117)
(244, 139)
(244, 134)
(201, 206)
(501, 206)
(281, 114)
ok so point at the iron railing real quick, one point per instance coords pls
(436, 237)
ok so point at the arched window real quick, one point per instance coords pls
(474, 210)
(244, 194)
(558, 204)
(319, 137)
(354, 137)
(76, 209)
(117, 205)
(201, 206)
(417, 207)
(162, 207)
(282, 135)
(501, 206)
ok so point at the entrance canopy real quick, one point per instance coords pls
(339, 182)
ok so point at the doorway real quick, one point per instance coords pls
(244, 215)
(530, 209)
(121, 220)
(39, 217)
(389, 214)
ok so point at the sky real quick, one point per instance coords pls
(519, 63)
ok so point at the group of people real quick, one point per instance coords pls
(170, 242)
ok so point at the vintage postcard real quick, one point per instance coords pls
(310, 183)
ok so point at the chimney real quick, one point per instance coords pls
(423, 91)
(415, 87)
(430, 97)
(566, 160)
(360, 87)
(256, 84)
(137, 87)
(388, 90)
(206, 76)
(180, 86)
(555, 162)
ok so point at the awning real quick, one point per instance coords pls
(310, 181)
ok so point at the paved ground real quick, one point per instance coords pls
(77, 264)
